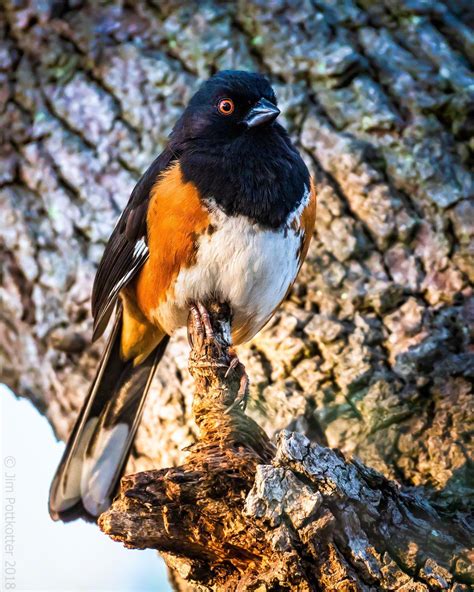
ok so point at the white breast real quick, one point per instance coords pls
(240, 263)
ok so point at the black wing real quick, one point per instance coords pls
(127, 249)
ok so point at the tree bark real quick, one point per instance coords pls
(372, 351)
(237, 516)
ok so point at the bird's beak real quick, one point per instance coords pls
(262, 112)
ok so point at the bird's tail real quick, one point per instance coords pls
(100, 443)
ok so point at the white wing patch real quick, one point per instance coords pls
(140, 255)
(140, 249)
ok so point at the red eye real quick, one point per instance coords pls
(226, 106)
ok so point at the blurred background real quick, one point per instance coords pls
(48, 555)
(371, 353)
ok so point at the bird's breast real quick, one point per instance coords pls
(239, 262)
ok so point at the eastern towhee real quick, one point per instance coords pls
(225, 212)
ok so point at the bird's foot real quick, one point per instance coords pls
(200, 330)
(201, 335)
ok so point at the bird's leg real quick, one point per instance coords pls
(200, 326)
(195, 326)
(206, 321)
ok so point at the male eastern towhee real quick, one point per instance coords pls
(226, 212)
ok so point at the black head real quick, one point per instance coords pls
(227, 105)
(237, 155)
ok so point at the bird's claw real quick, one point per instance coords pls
(233, 364)
(242, 393)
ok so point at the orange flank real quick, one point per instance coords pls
(175, 220)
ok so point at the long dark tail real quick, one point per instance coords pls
(100, 443)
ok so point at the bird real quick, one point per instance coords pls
(226, 212)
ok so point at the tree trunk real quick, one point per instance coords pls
(371, 352)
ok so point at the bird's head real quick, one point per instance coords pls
(235, 153)
(229, 104)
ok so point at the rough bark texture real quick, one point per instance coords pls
(236, 516)
(371, 352)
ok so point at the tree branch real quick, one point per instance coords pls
(240, 515)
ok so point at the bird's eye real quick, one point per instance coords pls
(225, 106)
